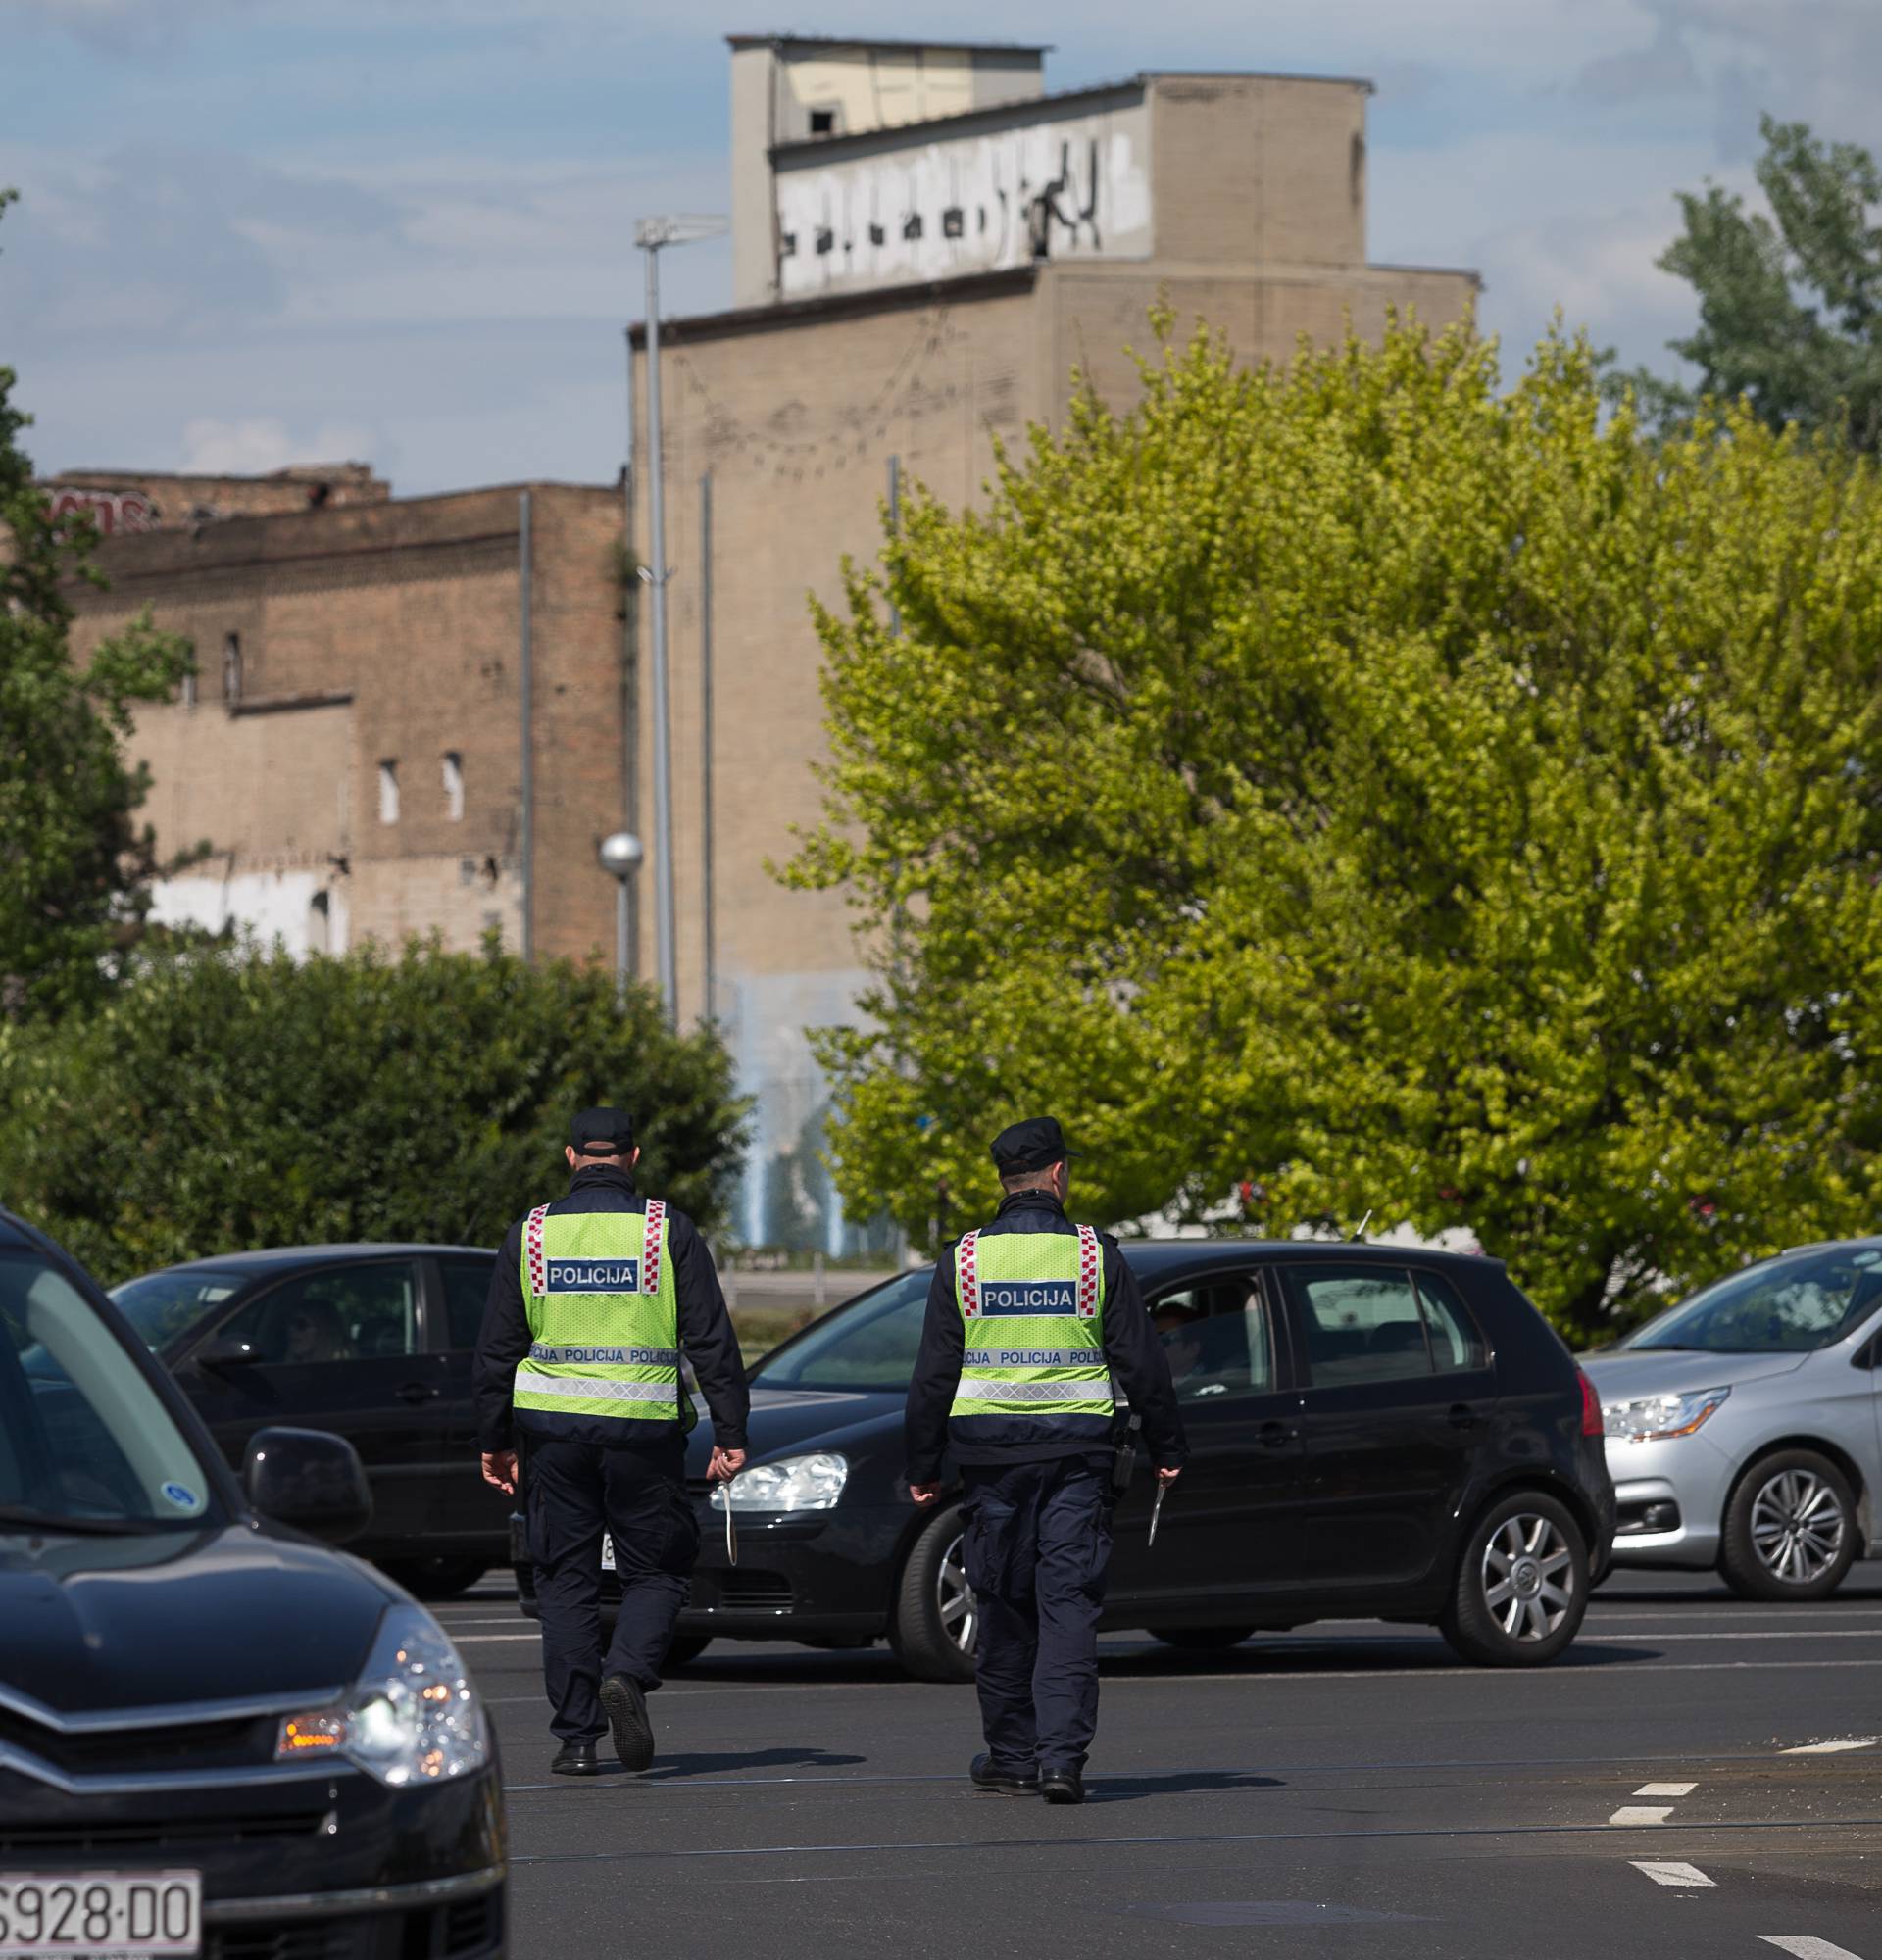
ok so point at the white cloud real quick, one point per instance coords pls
(257, 444)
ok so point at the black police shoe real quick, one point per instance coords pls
(625, 1706)
(1061, 1785)
(577, 1759)
(1009, 1783)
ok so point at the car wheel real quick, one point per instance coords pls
(1199, 1640)
(935, 1619)
(1522, 1584)
(438, 1578)
(685, 1648)
(1790, 1529)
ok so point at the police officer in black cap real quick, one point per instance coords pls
(1029, 1322)
(593, 1300)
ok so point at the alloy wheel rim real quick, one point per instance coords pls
(1528, 1576)
(954, 1597)
(1797, 1527)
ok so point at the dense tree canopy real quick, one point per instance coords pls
(1388, 791)
(1790, 305)
(226, 1098)
(75, 867)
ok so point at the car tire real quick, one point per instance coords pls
(1521, 1586)
(1199, 1640)
(933, 1623)
(683, 1649)
(1790, 1529)
(440, 1578)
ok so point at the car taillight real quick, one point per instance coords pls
(1591, 1422)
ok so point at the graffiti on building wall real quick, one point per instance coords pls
(111, 511)
(1065, 189)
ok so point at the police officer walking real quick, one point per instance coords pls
(592, 1301)
(1028, 1321)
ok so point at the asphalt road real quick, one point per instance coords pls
(1700, 1777)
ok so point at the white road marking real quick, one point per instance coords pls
(473, 1640)
(1802, 1947)
(1834, 1748)
(1641, 1813)
(1800, 1634)
(1671, 1875)
(1666, 1790)
(1477, 1677)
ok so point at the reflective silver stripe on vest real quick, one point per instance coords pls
(647, 1357)
(983, 1389)
(585, 1388)
(1031, 1357)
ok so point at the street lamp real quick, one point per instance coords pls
(651, 235)
(620, 854)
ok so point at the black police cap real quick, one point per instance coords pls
(602, 1133)
(1031, 1145)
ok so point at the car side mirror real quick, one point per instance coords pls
(309, 1479)
(225, 1352)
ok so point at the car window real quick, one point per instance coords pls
(1216, 1338)
(1362, 1323)
(1787, 1305)
(868, 1345)
(1455, 1345)
(162, 1305)
(467, 1286)
(83, 1437)
(334, 1314)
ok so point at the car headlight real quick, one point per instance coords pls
(797, 1484)
(411, 1717)
(1656, 1418)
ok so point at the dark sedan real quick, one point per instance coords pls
(1374, 1430)
(372, 1342)
(216, 1736)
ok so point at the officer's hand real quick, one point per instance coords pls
(1168, 1476)
(725, 1465)
(924, 1493)
(500, 1469)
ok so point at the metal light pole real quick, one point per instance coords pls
(620, 854)
(651, 235)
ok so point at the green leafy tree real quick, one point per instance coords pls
(226, 1098)
(1388, 792)
(1790, 305)
(75, 867)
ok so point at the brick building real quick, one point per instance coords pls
(925, 246)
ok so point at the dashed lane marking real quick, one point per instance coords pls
(1832, 1748)
(1801, 1948)
(1666, 1790)
(1687, 1877)
(1641, 1813)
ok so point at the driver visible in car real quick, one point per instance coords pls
(314, 1334)
(1180, 1330)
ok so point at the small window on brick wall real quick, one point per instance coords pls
(232, 667)
(388, 792)
(454, 786)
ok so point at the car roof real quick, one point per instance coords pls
(272, 1259)
(1160, 1258)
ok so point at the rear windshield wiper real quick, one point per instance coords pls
(18, 1517)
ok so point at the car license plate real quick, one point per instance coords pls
(606, 1551)
(99, 1912)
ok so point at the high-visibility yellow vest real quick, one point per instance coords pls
(1032, 1312)
(604, 1317)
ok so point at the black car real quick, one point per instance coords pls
(216, 1736)
(372, 1341)
(1374, 1430)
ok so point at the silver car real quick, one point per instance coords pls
(1744, 1426)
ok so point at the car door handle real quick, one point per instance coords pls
(1464, 1416)
(417, 1392)
(1276, 1435)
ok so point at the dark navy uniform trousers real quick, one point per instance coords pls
(1038, 1543)
(637, 1494)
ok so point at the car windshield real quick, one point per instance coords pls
(868, 1345)
(86, 1443)
(162, 1305)
(1785, 1306)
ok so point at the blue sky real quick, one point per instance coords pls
(255, 231)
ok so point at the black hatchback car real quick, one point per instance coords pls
(1374, 1431)
(216, 1736)
(372, 1341)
